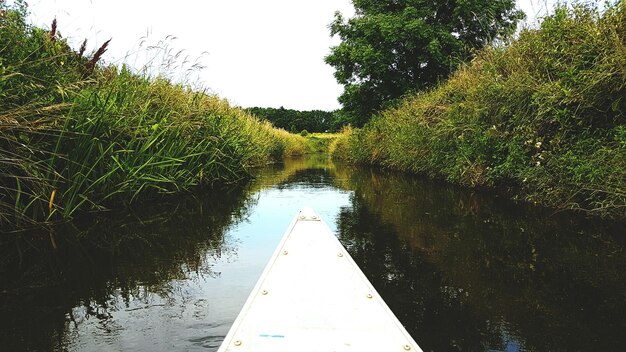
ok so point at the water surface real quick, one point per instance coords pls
(463, 271)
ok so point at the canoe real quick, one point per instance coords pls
(312, 297)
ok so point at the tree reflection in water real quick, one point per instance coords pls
(126, 263)
(467, 272)
(462, 270)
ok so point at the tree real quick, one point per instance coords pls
(296, 121)
(394, 47)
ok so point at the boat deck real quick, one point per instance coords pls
(313, 297)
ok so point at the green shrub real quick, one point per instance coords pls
(543, 115)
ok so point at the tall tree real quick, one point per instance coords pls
(392, 47)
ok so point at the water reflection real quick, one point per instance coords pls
(463, 271)
(474, 273)
(119, 273)
(168, 276)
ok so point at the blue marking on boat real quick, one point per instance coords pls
(272, 336)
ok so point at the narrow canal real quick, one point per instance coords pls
(463, 271)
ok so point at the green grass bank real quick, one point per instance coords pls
(320, 142)
(77, 136)
(543, 117)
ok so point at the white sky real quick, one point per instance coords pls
(265, 53)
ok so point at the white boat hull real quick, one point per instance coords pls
(313, 297)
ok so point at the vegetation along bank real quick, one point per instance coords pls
(77, 136)
(543, 116)
(297, 121)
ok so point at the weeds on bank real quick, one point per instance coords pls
(544, 116)
(76, 136)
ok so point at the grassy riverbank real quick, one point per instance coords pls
(320, 142)
(76, 136)
(543, 117)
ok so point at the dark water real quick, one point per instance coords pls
(463, 271)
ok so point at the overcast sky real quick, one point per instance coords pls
(256, 53)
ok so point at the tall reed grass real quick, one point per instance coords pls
(544, 116)
(76, 136)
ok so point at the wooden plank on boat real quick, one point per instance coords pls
(313, 297)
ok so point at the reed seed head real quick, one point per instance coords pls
(91, 64)
(82, 49)
(53, 30)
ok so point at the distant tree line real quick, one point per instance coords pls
(296, 121)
